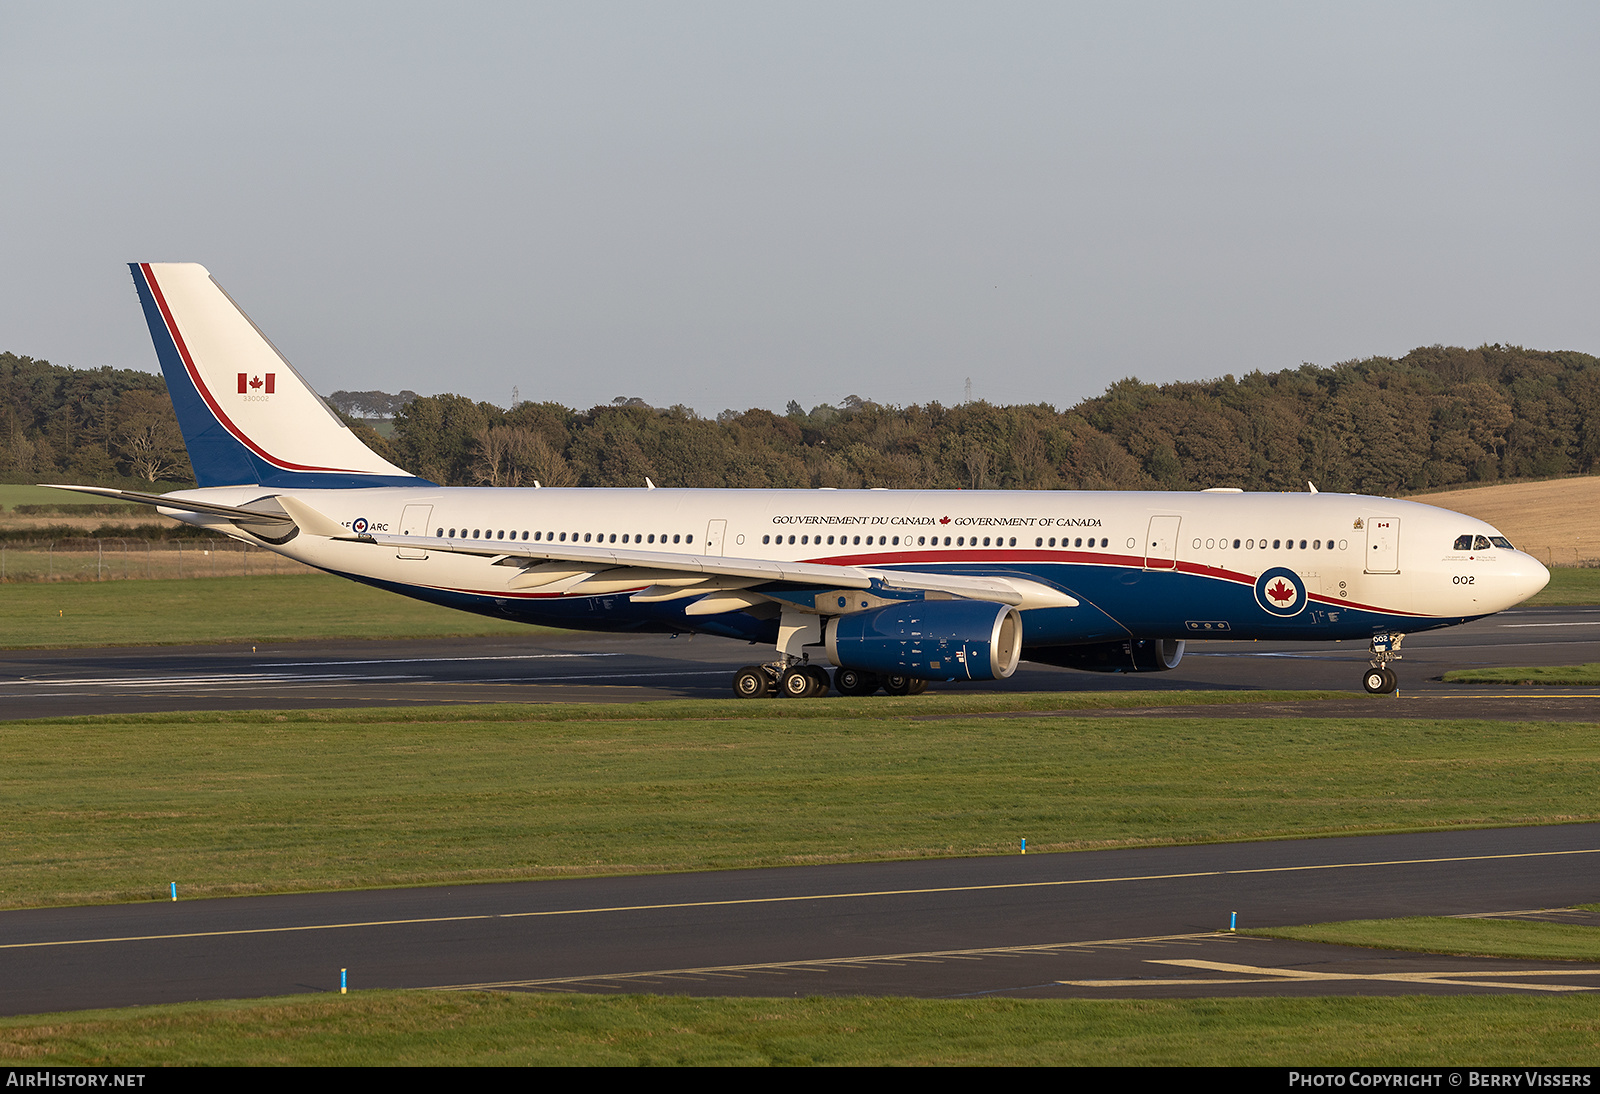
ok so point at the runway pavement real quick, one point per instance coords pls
(545, 667)
(1108, 924)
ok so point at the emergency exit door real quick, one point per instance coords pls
(1161, 544)
(716, 532)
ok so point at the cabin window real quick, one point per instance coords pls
(1274, 544)
(1013, 541)
(452, 533)
(1039, 541)
(690, 539)
(675, 539)
(475, 532)
(766, 539)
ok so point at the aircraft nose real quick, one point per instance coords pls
(1522, 578)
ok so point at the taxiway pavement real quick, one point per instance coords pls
(1106, 924)
(548, 667)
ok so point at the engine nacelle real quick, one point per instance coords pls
(930, 640)
(1129, 655)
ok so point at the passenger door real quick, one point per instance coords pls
(414, 522)
(1383, 545)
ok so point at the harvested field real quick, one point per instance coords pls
(1556, 521)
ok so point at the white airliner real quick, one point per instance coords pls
(893, 588)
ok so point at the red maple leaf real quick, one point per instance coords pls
(255, 382)
(944, 520)
(1281, 591)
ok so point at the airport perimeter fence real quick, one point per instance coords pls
(1570, 557)
(130, 559)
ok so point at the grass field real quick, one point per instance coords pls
(1554, 675)
(1519, 938)
(1569, 585)
(115, 808)
(281, 608)
(15, 494)
(439, 1028)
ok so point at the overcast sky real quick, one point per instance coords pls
(735, 205)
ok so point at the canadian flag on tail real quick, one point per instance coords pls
(255, 385)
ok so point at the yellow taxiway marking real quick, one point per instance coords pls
(1258, 974)
(840, 962)
(802, 898)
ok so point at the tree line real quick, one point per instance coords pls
(1438, 416)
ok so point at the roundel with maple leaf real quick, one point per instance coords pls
(1281, 591)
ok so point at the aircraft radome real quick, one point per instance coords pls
(893, 588)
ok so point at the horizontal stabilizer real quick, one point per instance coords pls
(181, 505)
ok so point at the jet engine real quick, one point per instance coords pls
(930, 640)
(1129, 655)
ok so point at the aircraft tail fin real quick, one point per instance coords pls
(247, 416)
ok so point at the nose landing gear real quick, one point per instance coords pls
(1380, 678)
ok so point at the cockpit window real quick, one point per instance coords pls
(1501, 541)
(1480, 543)
(1463, 543)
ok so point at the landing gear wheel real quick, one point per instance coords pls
(796, 683)
(918, 686)
(854, 682)
(752, 682)
(1380, 681)
(898, 685)
(819, 680)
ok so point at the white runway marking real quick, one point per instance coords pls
(1260, 974)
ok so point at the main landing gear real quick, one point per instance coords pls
(1380, 678)
(799, 681)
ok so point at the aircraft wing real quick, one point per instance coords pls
(664, 575)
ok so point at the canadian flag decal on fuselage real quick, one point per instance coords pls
(256, 385)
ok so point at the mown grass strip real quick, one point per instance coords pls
(1553, 675)
(102, 810)
(280, 608)
(1530, 939)
(1569, 585)
(439, 1028)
